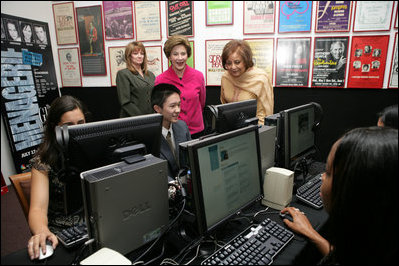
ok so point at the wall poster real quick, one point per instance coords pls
(333, 16)
(368, 59)
(118, 19)
(295, 16)
(64, 20)
(179, 18)
(373, 15)
(393, 76)
(154, 59)
(292, 62)
(259, 17)
(70, 67)
(262, 52)
(91, 40)
(116, 61)
(28, 86)
(219, 13)
(147, 17)
(214, 67)
(329, 61)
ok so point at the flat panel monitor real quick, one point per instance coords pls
(299, 135)
(225, 175)
(92, 145)
(230, 116)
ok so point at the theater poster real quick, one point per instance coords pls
(393, 76)
(214, 67)
(262, 50)
(333, 16)
(295, 16)
(368, 59)
(179, 18)
(259, 17)
(28, 86)
(293, 61)
(330, 61)
(91, 40)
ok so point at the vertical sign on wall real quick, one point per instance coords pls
(28, 85)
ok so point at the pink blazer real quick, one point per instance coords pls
(193, 95)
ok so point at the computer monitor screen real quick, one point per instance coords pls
(299, 133)
(91, 145)
(226, 175)
(230, 116)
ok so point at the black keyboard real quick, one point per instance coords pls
(255, 245)
(310, 192)
(73, 235)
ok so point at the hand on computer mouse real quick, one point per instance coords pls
(37, 243)
(300, 223)
(49, 251)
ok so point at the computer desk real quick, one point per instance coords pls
(295, 252)
(298, 251)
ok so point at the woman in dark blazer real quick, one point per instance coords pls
(134, 83)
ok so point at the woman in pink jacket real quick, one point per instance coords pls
(189, 81)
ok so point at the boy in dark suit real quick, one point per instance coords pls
(165, 100)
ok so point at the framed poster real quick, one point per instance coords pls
(214, 67)
(154, 59)
(190, 60)
(116, 61)
(91, 40)
(147, 17)
(396, 17)
(333, 16)
(295, 16)
(219, 13)
(393, 74)
(28, 86)
(179, 18)
(262, 54)
(64, 21)
(368, 59)
(373, 15)
(259, 17)
(70, 67)
(292, 62)
(329, 61)
(118, 19)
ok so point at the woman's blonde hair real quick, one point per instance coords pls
(174, 41)
(130, 48)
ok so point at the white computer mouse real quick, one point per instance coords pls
(49, 251)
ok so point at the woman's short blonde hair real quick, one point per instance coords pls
(243, 49)
(130, 48)
(174, 41)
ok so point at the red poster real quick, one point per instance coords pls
(368, 59)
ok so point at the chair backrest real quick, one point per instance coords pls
(22, 183)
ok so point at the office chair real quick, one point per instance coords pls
(21, 183)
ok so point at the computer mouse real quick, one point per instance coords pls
(286, 215)
(49, 251)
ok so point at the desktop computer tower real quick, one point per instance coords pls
(126, 205)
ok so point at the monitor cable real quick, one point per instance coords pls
(80, 251)
(169, 226)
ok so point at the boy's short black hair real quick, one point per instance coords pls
(162, 91)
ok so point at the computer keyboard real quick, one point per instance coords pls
(258, 244)
(73, 235)
(310, 192)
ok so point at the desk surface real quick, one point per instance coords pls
(291, 254)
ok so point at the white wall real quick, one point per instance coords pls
(42, 11)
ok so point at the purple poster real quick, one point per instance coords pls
(118, 18)
(333, 16)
